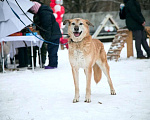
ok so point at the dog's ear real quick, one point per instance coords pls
(67, 20)
(87, 22)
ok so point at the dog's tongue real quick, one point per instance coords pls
(76, 34)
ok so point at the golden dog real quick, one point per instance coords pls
(86, 53)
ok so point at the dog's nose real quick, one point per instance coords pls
(76, 28)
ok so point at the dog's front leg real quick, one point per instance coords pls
(88, 73)
(75, 72)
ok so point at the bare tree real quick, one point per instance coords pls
(46, 2)
(80, 6)
(87, 6)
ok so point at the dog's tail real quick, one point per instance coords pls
(97, 73)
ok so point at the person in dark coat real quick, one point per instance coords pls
(136, 23)
(51, 32)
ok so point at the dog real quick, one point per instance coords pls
(87, 53)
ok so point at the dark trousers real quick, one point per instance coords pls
(53, 53)
(43, 53)
(140, 39)
(23, 56)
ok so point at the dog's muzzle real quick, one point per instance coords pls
(76, 31)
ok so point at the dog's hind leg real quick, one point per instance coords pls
(97, 73)
(88, 72)
(75, 72)
(105, 68)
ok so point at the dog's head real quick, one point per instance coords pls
(78, 28)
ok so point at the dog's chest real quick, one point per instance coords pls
(77, 58)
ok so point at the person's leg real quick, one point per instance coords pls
(21, 57)
(145, 44)
(52, 53)
(34, 55)
(29, 54)
(138, 41)
(11, 60)
(26, 56)
(43, 53)
(5, 62)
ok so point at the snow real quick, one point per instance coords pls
(48, 94)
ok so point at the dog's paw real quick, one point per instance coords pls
(75, 100)
(87, 99)
(113, 92)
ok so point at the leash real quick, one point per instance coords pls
(29, 29)
(33, 22)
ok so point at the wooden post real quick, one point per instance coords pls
(149, 41)
(62, 46)
(148, 33)
(129, 44)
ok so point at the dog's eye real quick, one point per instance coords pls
(81, 24)
(73, 23)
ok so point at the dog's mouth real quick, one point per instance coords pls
(77, 34)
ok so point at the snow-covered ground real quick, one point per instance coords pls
(48, 94)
